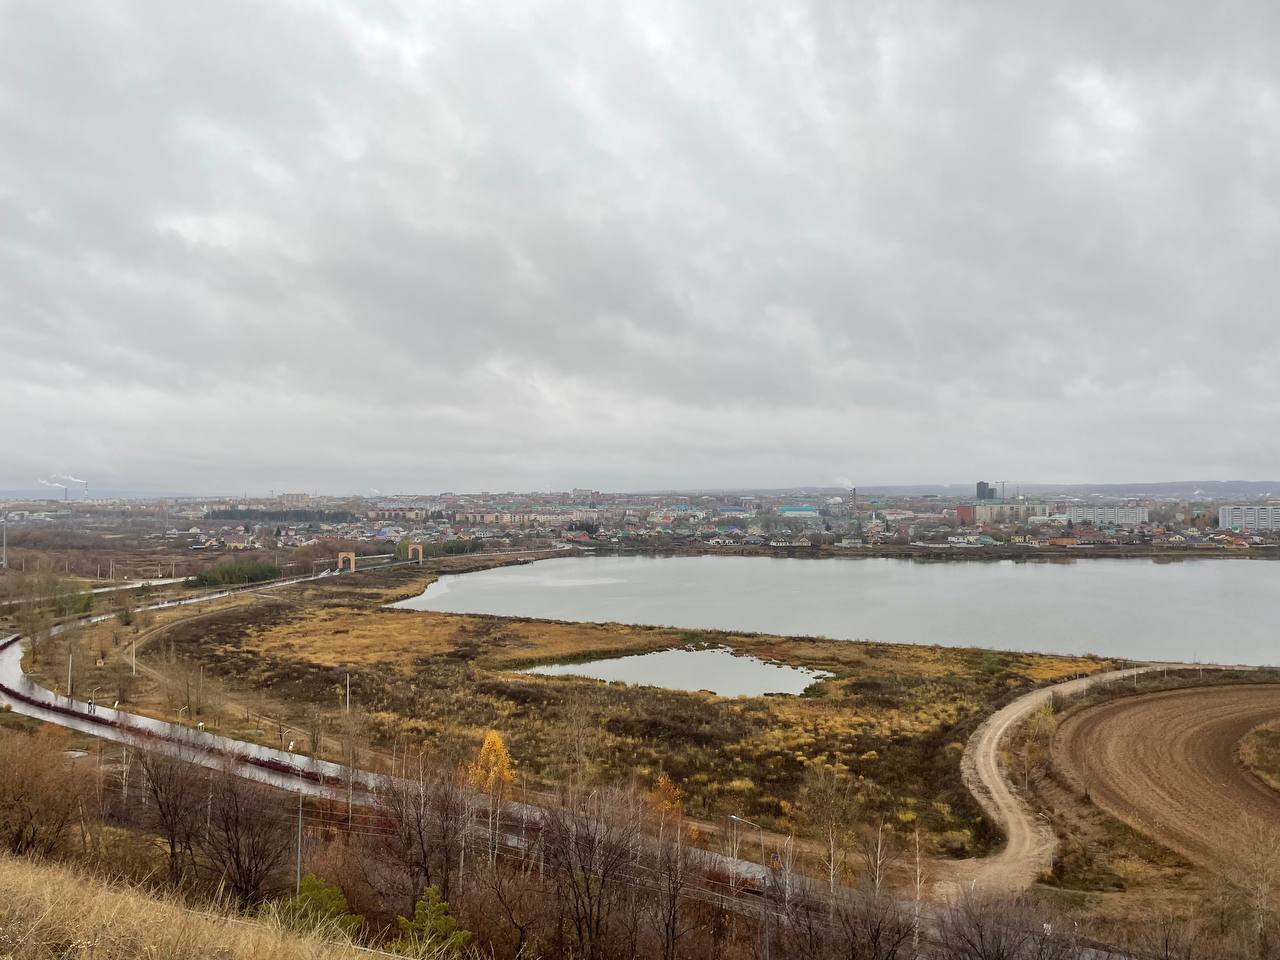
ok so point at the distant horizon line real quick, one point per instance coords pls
(77, 494)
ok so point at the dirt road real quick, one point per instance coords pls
(1030, 842)
(1164, 763)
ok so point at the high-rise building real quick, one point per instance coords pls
(986, 491)
(1249, 518)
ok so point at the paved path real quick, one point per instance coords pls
(277, 767)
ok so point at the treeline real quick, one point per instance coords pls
(237, 572)
(283, 516)
(35, 600)
(441, 861)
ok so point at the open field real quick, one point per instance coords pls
(1165, 765)
(895, 718)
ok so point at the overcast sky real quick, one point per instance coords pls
(466, 245)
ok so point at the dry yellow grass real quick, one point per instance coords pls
(1259, 751)
(342, 636)
(894, 716)
(49, 911)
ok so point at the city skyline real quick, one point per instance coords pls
(1116, 490)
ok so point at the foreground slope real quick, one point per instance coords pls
(56, 911)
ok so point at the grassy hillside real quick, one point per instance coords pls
(56, 911)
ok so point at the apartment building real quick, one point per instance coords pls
(1107, 516)
(1249, 518)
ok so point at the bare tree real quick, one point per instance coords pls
(426, 812)
(874, 927)
(33, 614)
(178, 797)
(315, 724)
(827, 806)
(589, 842)
(43, 793)
(853, 925)
(807, 932)
(583, 732)
(981, 927)
(879, 853)
(520, 895)
(919, 878)
(1256, 877)
(669, 910)
(1169, 936)
(248, 836)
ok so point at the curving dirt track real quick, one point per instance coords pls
(1029, 840)
(1165, 764)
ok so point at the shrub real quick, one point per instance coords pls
(42, 792)
(432, 932)
(318, 908)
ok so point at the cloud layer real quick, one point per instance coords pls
(626, 245)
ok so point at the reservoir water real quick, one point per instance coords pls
(715, 669)
(1211, 610)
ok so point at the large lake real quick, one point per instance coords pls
(1216, 611)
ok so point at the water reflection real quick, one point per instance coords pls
(716, 669)
(1214, 610)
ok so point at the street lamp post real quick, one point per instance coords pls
(4, 544)
(764, 868)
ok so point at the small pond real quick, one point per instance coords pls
(716, 669)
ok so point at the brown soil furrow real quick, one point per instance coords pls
(1165, 764)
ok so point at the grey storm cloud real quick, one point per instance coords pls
(463, 246)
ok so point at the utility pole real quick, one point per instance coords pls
(297, 885)
(351, 751)
(4, 544)
(70, 655)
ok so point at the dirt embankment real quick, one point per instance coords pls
(1166, 765)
